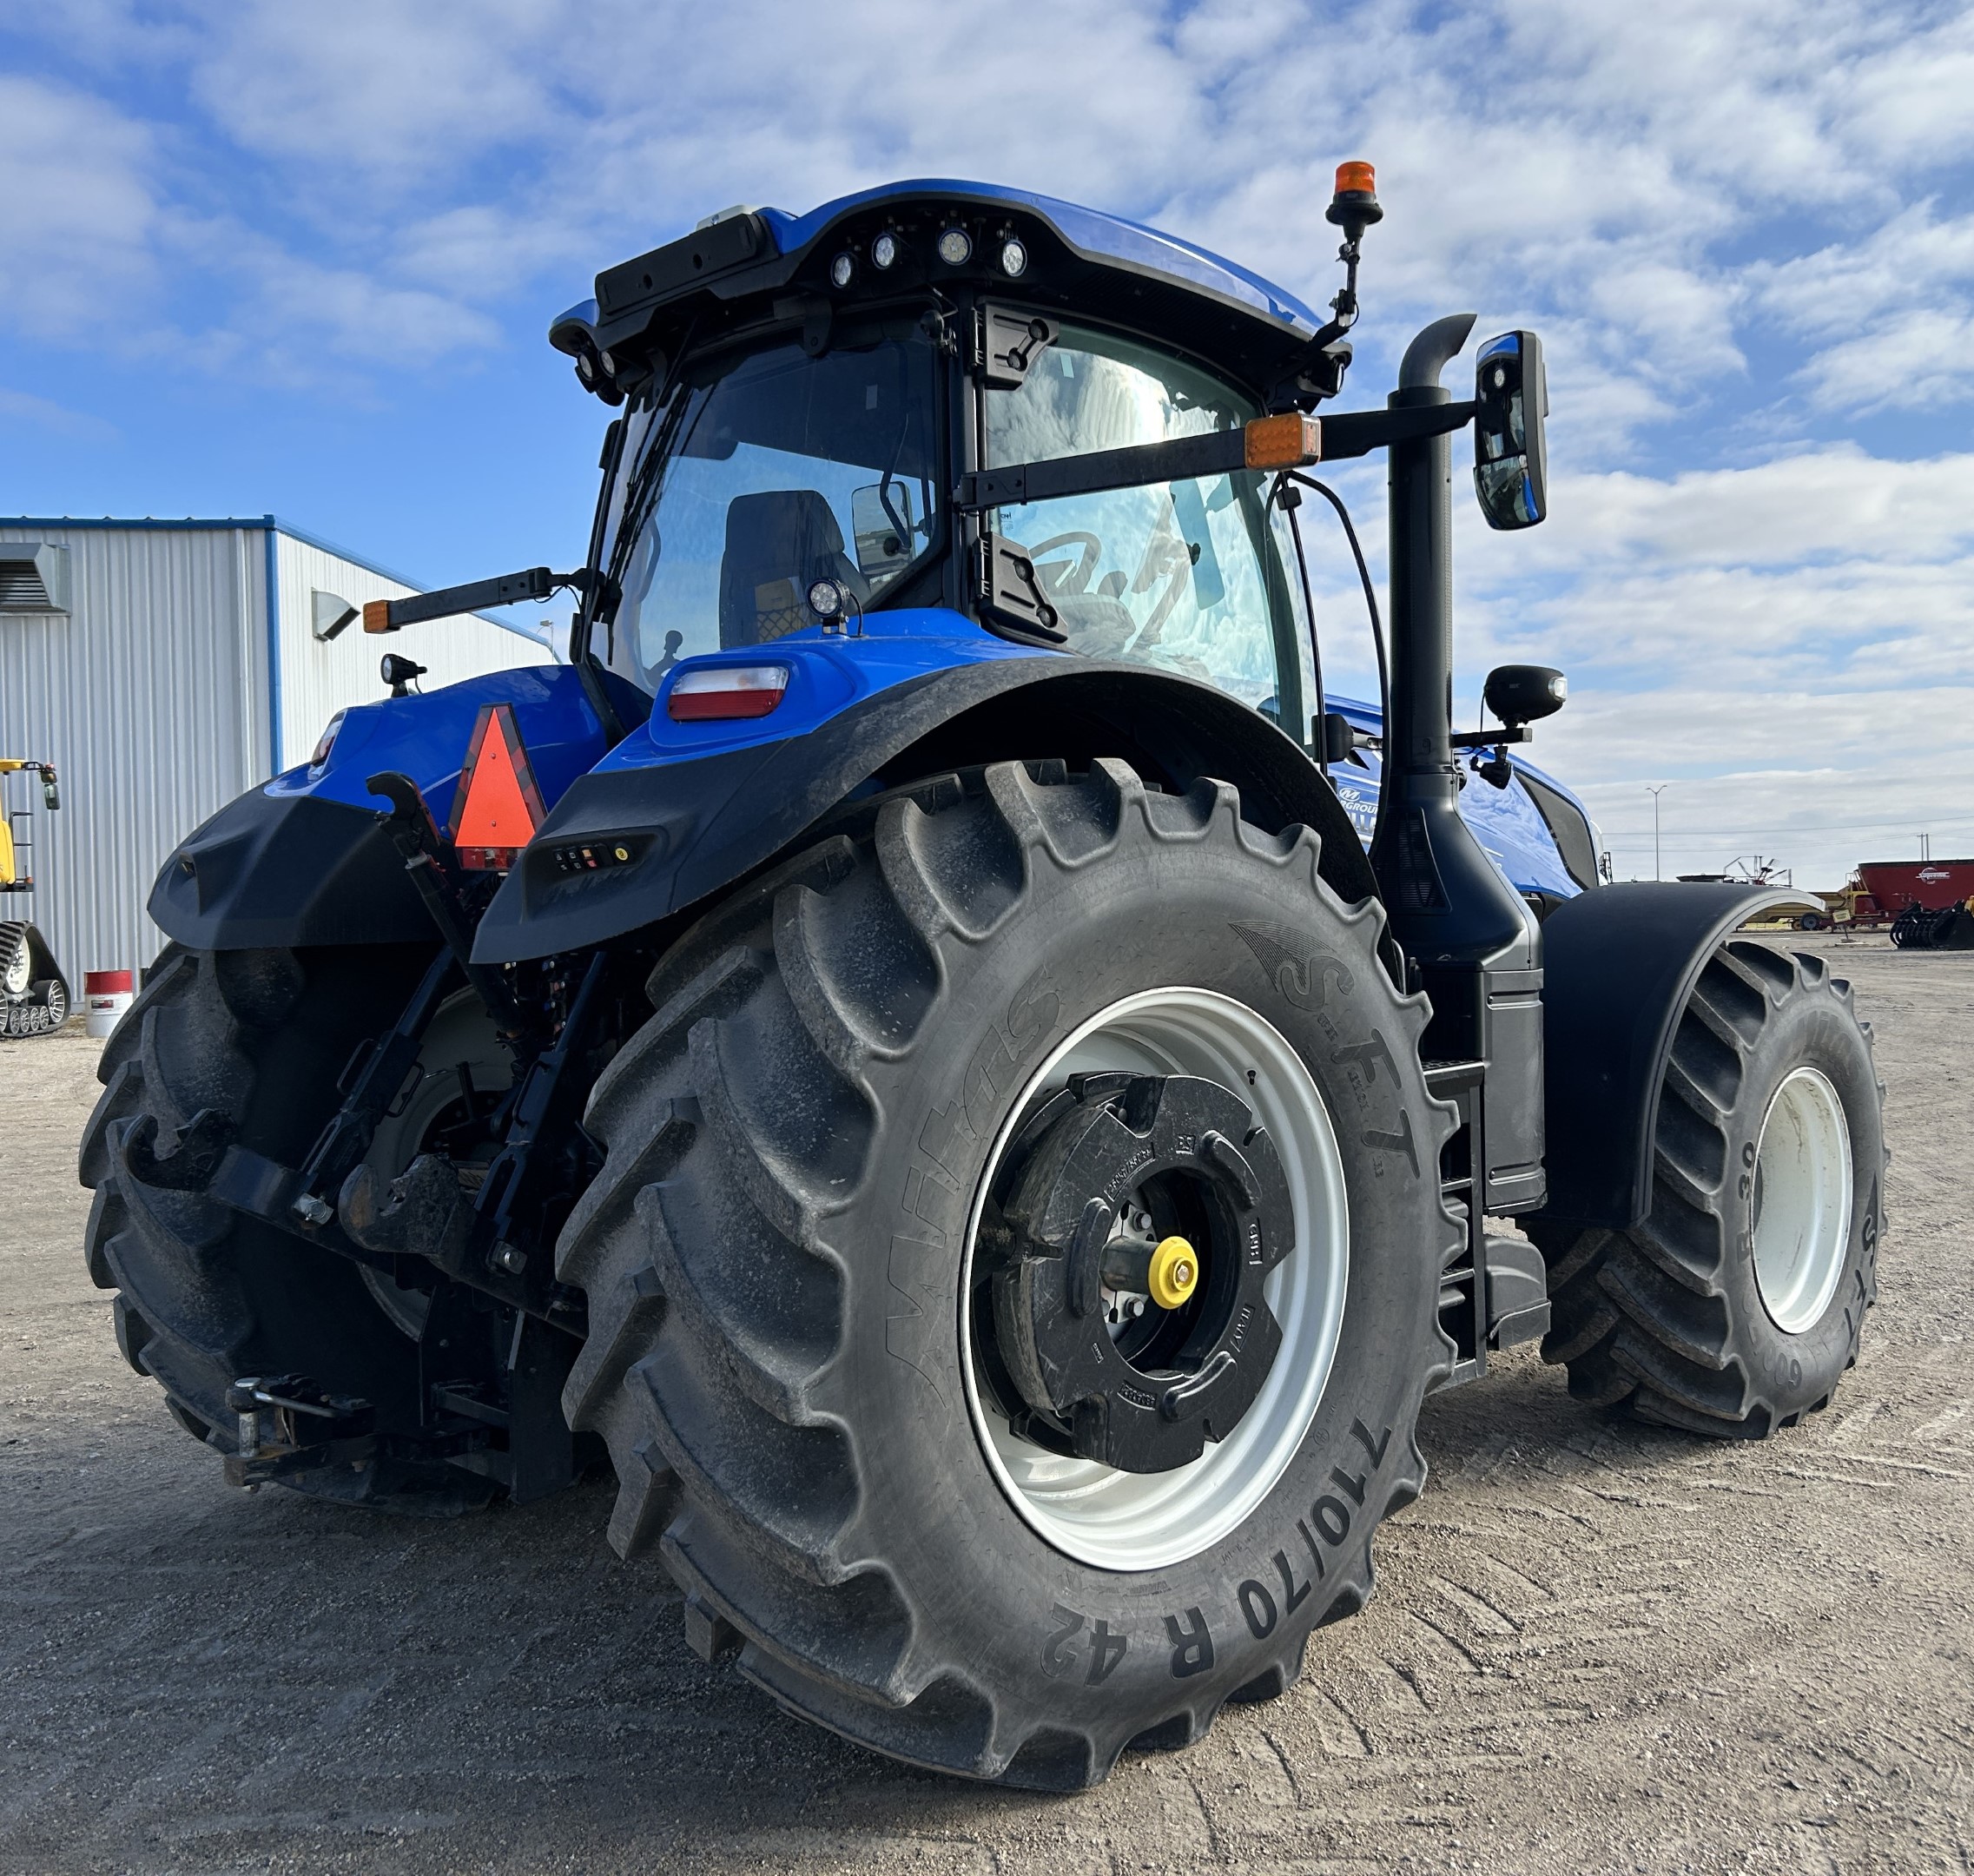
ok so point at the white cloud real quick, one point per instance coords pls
(399, 96)
(1738, 228)
(78, 217)
(1791, 645)
(1890, 314)
(1829, 504)
(1910, 102)
(1816, 782)
(1919, 360)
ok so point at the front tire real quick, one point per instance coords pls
(782, 1352)
(1735, 1307)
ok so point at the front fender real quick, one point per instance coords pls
(1618, 966)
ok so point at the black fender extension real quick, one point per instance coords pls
(1620, 964)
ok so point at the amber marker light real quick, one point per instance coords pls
(1289, 441)
(1356, 179)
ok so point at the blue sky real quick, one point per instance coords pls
(302, 259)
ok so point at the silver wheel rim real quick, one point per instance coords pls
(1799, 1210)
(1124, 1521)
(461, 1031)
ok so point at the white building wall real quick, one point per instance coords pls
(151, 696)
(148, 696)
(317, 678)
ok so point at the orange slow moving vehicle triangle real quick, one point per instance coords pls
(498, 806)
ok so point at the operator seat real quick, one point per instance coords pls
(778, 542)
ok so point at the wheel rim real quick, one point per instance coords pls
(1800, 1205)
(1126, 1521)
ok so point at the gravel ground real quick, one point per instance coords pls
(1593, 1647)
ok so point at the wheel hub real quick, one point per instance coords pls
(1153, 1206)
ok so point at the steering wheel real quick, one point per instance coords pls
(1078, 578)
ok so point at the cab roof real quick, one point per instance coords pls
(1079, 260)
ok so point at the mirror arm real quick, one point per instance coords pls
(1359, 433)
(1183, 459)
(533, 583)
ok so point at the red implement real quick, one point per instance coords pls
(1934, 884)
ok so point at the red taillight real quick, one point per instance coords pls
(737, 691)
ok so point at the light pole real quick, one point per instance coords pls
(1657, 871)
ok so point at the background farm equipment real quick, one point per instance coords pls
(1922, 927)
(34, 993)
(1923, 901)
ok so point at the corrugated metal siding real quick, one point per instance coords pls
(149, 696)
(318, 679)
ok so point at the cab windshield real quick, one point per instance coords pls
(760, 475)
(1191, 576)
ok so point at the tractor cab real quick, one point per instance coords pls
(805, 402)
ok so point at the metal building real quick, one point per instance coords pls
(164, 667)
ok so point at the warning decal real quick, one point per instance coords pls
(498, 806)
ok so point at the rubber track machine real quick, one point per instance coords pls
(34, 994)
(933, 1046)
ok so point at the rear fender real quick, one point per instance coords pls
(1619, 966)
(658, 829)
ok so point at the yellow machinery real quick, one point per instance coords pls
(34, 994)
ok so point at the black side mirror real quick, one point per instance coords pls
(1511, 395)
(1332, 737)
(51, 793)
(1519, 693)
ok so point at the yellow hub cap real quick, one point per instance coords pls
(1175, 1272)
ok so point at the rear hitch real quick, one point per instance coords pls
(289, 1423)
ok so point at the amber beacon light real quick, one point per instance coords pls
(1354, 206)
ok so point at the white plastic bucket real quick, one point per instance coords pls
(106, 995)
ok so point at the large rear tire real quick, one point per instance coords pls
(206, 1295)
(1736, 1306)
(785, 1312)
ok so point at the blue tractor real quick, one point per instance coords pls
(933, 1046)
